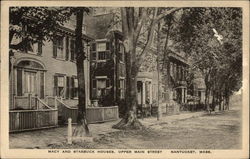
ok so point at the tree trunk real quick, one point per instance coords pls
(130, 120)
(219, 100)
(82, 125)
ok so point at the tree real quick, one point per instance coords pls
(213, 57)
(82, 125)
(133, 21)
(33, 24)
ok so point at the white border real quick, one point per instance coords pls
(32, 153)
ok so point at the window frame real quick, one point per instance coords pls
(56, 88)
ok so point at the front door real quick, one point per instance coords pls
(30, 83)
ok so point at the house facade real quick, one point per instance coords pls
(107, 61)
(178, 74)
(48, 69)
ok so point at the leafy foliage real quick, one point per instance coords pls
(37, 23)
(220, 63)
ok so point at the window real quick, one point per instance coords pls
(102, 55)
(101, 46)
(100, 87)
(34, 48)
(58, 48)
(100, 51)
(59, 85)
(101, 83)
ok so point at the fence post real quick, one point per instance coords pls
(69, 131)
(29, 99)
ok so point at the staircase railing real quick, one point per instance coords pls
(32, 113)
(66, 111)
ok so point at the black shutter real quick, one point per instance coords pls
(40, 48)
(19, 82)
(67, 49)
(107, 46)
(107, 83)
(55, 86)
(42, 85)
(54, 48)
(72, 88)
(93, 47)
(72, 49)
(68, 87)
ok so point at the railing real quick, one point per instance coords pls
(44, 114)
(93, 114)
(25, 102)
(66, 111)
(50, 101)
(102, 114)
(35, 114)
(21, 120)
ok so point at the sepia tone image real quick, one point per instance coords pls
(125, 78)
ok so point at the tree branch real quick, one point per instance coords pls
(140, 23)
(142, 55)
(162, 15)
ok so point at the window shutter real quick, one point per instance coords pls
(55, 86)
(67, 87)
(107, 46)
(107, 82)
(40, 46)
(42, 85)
(72, 49)
(19, 82)
(67, 49)
(94, 83)
(72, 88)
(54, 48)
(93, 47)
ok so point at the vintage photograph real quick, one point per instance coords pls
(125, 78)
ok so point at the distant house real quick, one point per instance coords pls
(170, 96)
(178, 74)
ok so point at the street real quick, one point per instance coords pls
(188, 130)
(216, 131)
